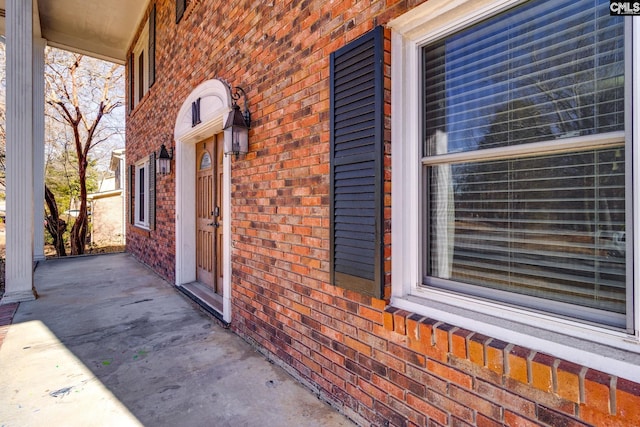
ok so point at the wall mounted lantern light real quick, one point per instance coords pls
(163, 166)
(236, 129)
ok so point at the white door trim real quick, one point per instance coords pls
(215, 104)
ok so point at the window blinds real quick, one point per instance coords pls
(545, 70)
(544, 226)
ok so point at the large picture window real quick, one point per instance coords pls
(515, 170)
(524, 163)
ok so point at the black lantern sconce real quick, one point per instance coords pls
(163, 166)
(236, 129)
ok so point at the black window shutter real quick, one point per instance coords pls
(152, 191)
(152, 46)
(181, 5)
(130, 91)
(132, 194)
(356, 132)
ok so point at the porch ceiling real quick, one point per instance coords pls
(99, 28)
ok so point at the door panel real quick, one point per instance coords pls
(205, 222)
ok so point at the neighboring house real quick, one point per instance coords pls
(107, 206)
(434, 223)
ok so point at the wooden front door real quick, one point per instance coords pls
(208, 214)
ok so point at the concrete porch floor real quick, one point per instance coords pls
(109, 343)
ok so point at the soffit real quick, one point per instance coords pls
(99, 28)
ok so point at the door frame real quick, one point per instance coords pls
(214, 99)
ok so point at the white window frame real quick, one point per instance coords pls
(564, 338)
(141, 49)
(141, 222)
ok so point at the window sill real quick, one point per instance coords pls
(617, 355)
(141, 229)
(139, 103)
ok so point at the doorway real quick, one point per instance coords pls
(203, 208)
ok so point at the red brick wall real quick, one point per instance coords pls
(379, 365)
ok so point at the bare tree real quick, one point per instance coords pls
(55, 225)
(82, 94)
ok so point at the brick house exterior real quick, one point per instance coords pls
(376, 361)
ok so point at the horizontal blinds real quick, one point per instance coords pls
(545, 70)
(549, 226)
(544, 230)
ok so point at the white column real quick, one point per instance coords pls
(19, 155)
(38, 148)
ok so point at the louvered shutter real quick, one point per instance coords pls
(357, 124)
(181, 5)
(132, 192)
(152, 191)
(152, 46)
(130, 91)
